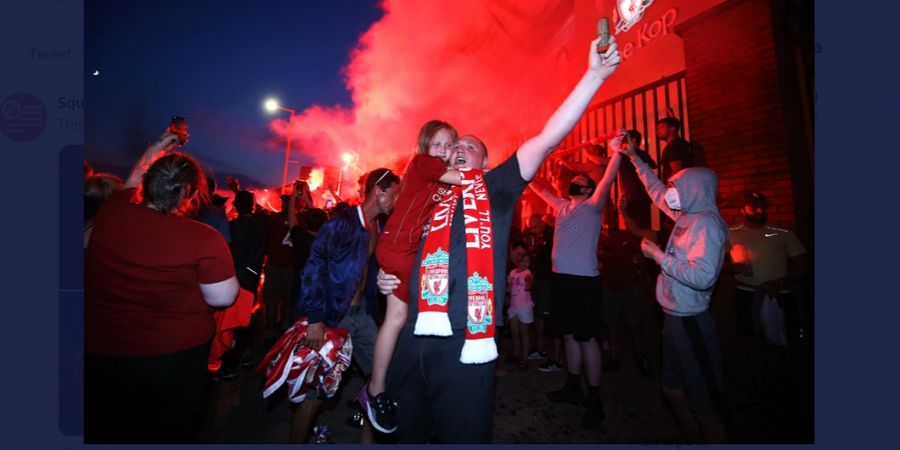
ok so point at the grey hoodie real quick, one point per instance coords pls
(696, 249)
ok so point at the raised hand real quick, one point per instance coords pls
(233, 183)
(604, 64)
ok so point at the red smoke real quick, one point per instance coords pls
(493, 68)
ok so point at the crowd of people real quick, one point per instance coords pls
(421, 283)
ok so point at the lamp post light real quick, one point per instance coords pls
(349, 158)
(272, 106)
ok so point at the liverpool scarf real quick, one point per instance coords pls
(434, 273)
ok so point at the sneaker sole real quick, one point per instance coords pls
(549, 369)
(363, 398)
(370, 413)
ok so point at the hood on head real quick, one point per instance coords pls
(696, 188)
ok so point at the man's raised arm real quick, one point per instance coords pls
(547, 195)
(533, 152)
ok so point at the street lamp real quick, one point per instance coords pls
(350, 158)
(272, 106)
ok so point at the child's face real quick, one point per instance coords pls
(523, 263)
(440, 144)
(517, 254)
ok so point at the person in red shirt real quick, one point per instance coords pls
(424, 183)
(152, 279)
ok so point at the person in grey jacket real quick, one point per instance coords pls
(692, 362)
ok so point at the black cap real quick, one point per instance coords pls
(756, 199)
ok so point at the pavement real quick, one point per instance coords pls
(635, 410)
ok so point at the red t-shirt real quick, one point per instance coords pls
(419, 192)
(142, 275)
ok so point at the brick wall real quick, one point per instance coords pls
(738, 124)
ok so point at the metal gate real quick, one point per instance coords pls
(638, 109)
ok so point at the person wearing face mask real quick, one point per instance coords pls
(576, 285)
(766, 261)
(692, 376)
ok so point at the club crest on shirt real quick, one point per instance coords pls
(481, 309)
(436, 277)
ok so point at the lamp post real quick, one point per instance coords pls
(350, 158)
(272, 105)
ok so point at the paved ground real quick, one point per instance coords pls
(635, 411)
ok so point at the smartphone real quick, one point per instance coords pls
(179, 125)
(603, 32)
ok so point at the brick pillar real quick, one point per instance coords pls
(738, 116)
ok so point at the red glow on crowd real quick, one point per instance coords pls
(485, 67)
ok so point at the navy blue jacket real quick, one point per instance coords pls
(334, 270)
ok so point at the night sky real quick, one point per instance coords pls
(214, 63)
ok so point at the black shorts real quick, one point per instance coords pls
(575, 306)
(540, 294)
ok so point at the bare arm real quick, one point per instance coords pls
(164, 143)
(221, 294)
(451, 177)
(533, 152)
(546, 195)
(602, 192)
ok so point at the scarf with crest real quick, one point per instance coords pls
(434, 272)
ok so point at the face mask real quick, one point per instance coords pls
(672, 199)
(575, 189)
(757, 219)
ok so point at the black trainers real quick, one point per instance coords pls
(381, 411)
(537, 355)
(644, 365)
(551, 365)
(593, 415)
(568, 394)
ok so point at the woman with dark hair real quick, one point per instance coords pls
(152, 279)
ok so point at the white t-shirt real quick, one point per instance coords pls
(518, 296)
